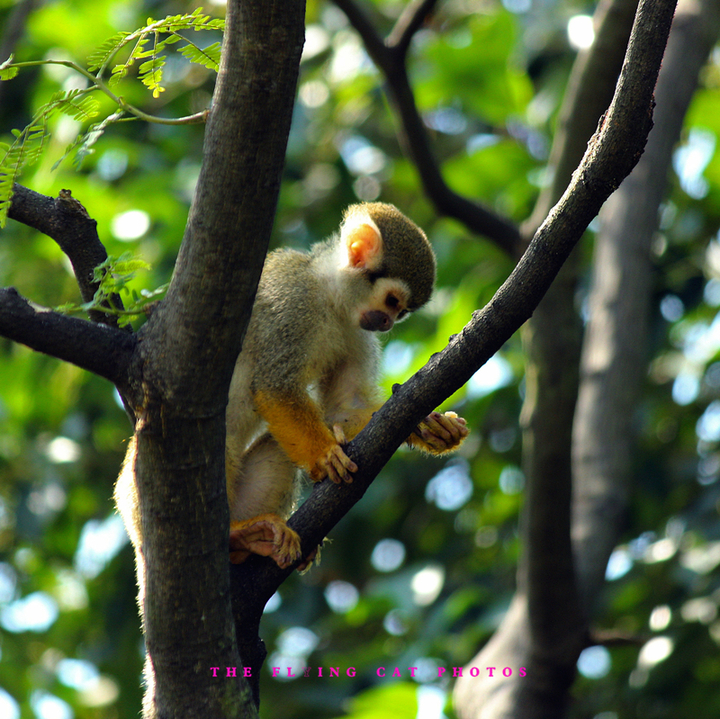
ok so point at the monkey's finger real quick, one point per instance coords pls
(454, 416)
(430, 439)
(249, 535)
(326, 468)
(340, 465)
(339, 435)
(287, 549)
(433, 423)
(457, 426)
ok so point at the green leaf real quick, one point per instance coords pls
(151, 74)
(84, 141)
(208, 57)
(104, 53)
(7, 70)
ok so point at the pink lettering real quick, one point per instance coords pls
(231, 671)
(307, 671)
(380, 669)
(275, 671)
(334, 672)
(247, 672)
(412, 671)
(522, 672)
(350, 672)
(441, 671)
(396, 673)
(474, 672)
(290, 674)
(214, 670)
(491, 670)
(457, 671)
(319, 671)
(509, 672)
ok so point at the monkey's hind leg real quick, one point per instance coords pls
(260, 491)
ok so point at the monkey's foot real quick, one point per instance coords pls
(334, 464)
(439, 433)
(266, 535)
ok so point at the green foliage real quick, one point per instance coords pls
(7, 70)
(150, 71)
(30, 143)
(83, 144)
(495, 71)
(114, 276)
(396, 701)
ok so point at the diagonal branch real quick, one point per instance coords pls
(390, 59)
(589, 91)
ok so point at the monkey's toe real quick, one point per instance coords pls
(266, 535)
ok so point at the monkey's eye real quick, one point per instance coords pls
(401, 314)
(392, 301)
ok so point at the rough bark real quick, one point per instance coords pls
(67, 222)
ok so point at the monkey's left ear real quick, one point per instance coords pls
(364, 245)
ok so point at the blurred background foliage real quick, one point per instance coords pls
(419, 573)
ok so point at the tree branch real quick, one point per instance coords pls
(545, 628)
(103, 350)
(185, 363)
(67, 222)
(390, 59)
(410, 21)
(232, 213)
(552, 624)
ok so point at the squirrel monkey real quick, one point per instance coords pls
(306, 379)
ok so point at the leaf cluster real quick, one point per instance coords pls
(30, 142)
(113, 277)
(148, 45)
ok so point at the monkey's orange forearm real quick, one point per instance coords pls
(298, 427)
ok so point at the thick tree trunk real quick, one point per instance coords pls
(615, 352)
(544, 629)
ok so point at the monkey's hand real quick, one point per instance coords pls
(266, 535)
(334, 463)
(439, 433)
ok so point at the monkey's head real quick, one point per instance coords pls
(395, 258)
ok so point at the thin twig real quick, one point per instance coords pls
(410, 21)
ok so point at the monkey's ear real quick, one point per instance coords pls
(364, 246)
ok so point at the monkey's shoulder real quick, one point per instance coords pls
(288, 283)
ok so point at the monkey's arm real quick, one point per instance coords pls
(352, 398)
(297, 424)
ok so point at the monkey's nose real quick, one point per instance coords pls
(376, 321)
